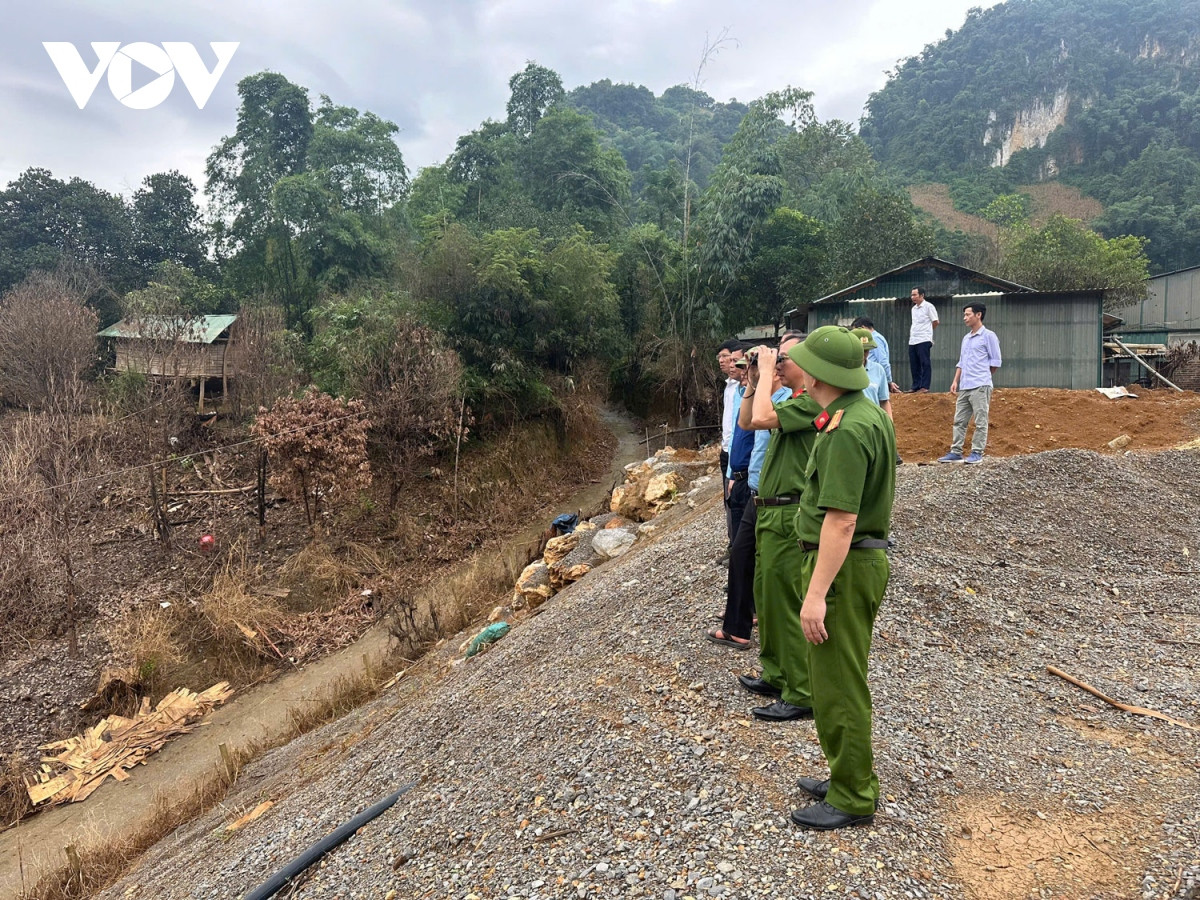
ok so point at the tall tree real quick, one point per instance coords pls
(356, 152)
(877, 231)
(271, 141)
(1065, 254)
(564, 167)
(166, 222)
(45, 222)
(533, 92)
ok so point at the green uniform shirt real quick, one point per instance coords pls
(788, 451)
(852, 467)
(787, 459)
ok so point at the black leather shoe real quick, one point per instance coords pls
(823, 817)
(758, 686)
(813, 787)
(779, 711)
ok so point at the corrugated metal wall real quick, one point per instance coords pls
(1046, 339)
(1173, 306)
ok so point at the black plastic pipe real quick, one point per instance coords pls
(279, 880)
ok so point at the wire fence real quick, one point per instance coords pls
(663, 432)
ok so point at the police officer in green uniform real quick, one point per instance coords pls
(783, 651)
(842, 526)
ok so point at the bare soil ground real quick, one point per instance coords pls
(935, 200)
(1049, 198)
(1055, 198)
(1029, 420)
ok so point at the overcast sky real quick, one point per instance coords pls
(437, 68)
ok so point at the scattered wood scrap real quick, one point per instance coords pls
(250, 816)
(117, 743)
(1136, 710)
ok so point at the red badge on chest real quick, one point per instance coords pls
(822, 420)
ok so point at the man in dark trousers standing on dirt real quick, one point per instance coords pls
(783, 652)
(920, 340)
(842, 527)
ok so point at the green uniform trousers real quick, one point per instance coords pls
(783, 649)
(838, 669)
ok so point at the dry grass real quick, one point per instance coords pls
(487, 579)
(318, 576)
(149, 646)
(1055, 198)
(91, 870)
(935, 200)
(14, 798)
(96, 868)
(347, 693)
(231, 607)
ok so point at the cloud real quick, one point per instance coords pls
(436, 68)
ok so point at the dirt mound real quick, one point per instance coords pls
(1030, 420)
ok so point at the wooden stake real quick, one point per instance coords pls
(227, 759)
(462, 409)
(74, 863)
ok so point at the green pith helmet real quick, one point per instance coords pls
(833, 355)
(864, 335)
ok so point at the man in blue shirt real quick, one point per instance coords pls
(877, 390)
(739, 605)
(880, 353)
(978, 358)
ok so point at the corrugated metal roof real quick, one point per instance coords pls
(192, 329)
(1176, 272)
(1000, 284)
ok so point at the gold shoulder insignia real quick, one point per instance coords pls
(835, 421)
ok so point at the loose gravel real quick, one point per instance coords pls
(603, 749)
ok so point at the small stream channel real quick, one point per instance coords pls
(260, 717)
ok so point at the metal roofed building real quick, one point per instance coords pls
(1170, 314)
(1048, 338)
(189, 347)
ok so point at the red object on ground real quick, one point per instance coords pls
(208, 543)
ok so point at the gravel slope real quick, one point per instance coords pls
(603, 749)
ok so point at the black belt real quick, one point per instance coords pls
(864, 544)
(781, 500)
(740, 476)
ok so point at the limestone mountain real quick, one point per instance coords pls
(1103, 94)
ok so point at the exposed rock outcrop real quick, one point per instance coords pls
(650, 488)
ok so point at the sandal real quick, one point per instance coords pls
(718, 636)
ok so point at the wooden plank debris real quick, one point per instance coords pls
(250, 816)
(1136, 710)
(116, 744)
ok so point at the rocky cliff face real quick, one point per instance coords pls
(1032, 126)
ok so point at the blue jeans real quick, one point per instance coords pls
(918, 362)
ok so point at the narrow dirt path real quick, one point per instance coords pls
(262, 717)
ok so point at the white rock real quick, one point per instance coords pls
(610, 542)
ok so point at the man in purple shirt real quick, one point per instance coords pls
(978, 358)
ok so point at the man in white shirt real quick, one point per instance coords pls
(920, 340)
